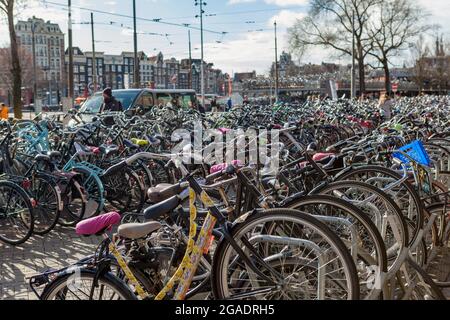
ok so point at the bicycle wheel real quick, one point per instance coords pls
(78, 286)
(16, 214)
(308, 262)
(93, 187)
(358, 233)
(48, 204)
(144, 174)
(124, 192)
(74, 205)
(415, 284)
(404, 194)
(159, 172)
(380, 208)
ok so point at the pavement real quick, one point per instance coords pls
(439, 268)
(62, 247)
(28, 115)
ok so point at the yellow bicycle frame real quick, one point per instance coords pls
(186, 271)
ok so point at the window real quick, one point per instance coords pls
(145, 100)
(81, 68)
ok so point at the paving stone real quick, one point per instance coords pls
(55, 250)
(63, 247)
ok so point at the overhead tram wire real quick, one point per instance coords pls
(184, 25)
(122, 26)
(218, 14)
(158, 20)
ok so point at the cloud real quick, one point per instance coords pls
(253, 51)
(231, 2)
(438, 9)
(286, 18)
(36, 8)
(285, 3)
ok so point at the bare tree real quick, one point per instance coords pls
(419, 52)
(332, 24)
(393, 25)
(26, 67)
(7, 7)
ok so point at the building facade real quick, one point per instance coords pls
(49, 54)
(117, 72)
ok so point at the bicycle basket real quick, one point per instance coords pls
(416, 151)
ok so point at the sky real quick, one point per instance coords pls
(239, 34)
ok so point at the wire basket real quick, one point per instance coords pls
(416, 151)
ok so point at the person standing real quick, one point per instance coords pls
(385, 107)
(246, 101)
(214, 104)
(229, 104)
(4, 112)
(110, 103)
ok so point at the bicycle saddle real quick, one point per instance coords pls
(42, 158)
(97, 225)
(157, 210)
(164, 191)
(155, 140)
(108, 149)
(134, 231)
(140, 142)
(321, 156)
(130, 144)
(82, 150)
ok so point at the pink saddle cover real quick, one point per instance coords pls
(96, 224)
(223, 166)
(94, 150)
(224, 130)
(321, 156)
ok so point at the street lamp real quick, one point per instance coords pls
(33, 41)
(353, 84)
(200, 4)
(276, 63)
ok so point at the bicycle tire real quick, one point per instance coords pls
(400, 223)
(363, 221)
(95, 192)
(220, 270)
(61, 282)
(67, 217)
(347, 174)
(27, 203)
(43, 221)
